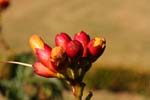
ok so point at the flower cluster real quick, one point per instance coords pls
(69, 59)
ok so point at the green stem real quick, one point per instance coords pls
(78, 90)
(88, 97)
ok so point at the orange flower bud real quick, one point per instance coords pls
(84, 39)
(96, 47)
(62, 39)
(36, 42)
(74, 49)
(58, 54)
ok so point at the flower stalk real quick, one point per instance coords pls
(78, 90)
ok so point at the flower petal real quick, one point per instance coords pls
(96, 47)
(84, 39)
(41, 70)
(43, 54)
(74, 49)
(62, 39)
(44, 57)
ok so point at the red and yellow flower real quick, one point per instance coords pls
(44, 66)
(68, 56)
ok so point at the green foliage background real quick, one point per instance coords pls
(23, 84)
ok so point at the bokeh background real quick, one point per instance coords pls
(122, 73)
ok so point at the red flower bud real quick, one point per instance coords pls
(74, 49)
(43, 54)
(62, 39)
(96, 47)
(84, 39)
(44, 57)
(42, 70)
(4, 3)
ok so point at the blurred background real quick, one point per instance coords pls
(123, 71)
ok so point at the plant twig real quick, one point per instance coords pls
(18, 63)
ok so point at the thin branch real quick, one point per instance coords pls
(18, 63)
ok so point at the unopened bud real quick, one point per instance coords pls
(62, 39)
(84, 39)
(58, 54)
(96, 47)
(74, 49)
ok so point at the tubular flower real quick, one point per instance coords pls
(84, 39)
(96, 47)
(74, 49)
(42, 51)
(62, 39)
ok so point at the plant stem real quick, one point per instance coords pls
(78, 90)
(18, 63)
(88, 97)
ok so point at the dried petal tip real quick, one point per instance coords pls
(36, 42)
(62, 39)
(96, 47)
(99, 42)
